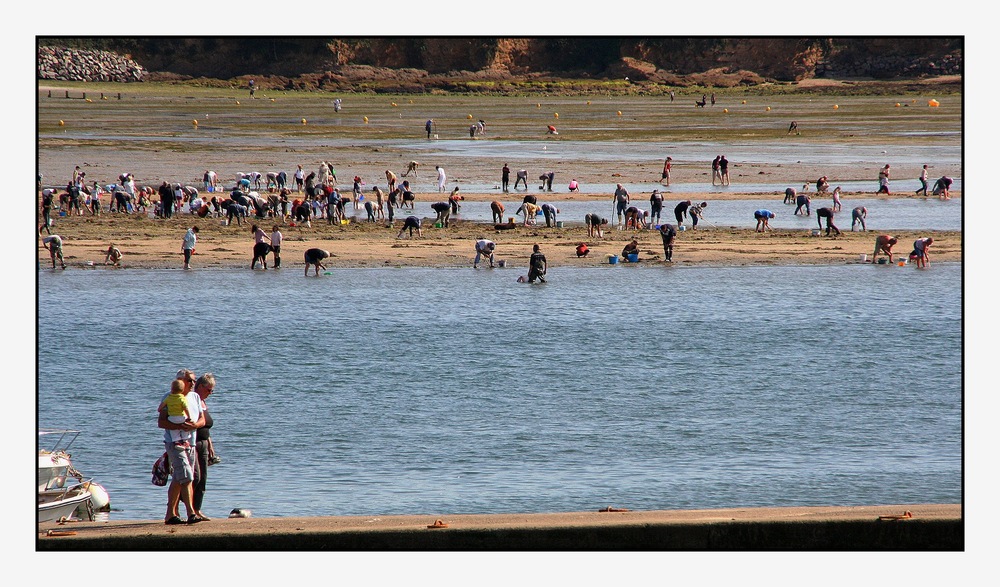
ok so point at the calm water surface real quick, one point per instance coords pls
(402, 391)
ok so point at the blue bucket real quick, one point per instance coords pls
(613, 259)
(633, 257)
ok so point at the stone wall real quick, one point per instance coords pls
(58, 63)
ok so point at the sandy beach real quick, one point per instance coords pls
(155, 243)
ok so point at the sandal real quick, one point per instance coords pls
(194, 519)
(173, 521)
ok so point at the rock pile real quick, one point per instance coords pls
(60, 63)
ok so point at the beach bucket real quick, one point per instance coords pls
(815, 232)
(613, 259)
(559, 223)
(901, 263)
(682, 228)
(438, 225)
(511, 220)
(345, 221)
(883, 261)
(62, 212)
(863, 258)
(633, 257)
(501, 263)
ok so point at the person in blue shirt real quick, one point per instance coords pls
(763, 216)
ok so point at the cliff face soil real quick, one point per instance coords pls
(418, 64)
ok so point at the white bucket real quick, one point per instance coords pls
(815, 232)
(863, 258)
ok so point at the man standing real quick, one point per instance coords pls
(923, 182)
(655, 206)
(505, 178)
(190, 239)
(724, 170)
(183, 455)
(621, 203)
(537, 266)
(715, 169)
(166, 199)
(428, 127)
(668, 233)
(442, 178)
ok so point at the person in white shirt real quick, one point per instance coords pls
(276, 238)
(190, 240)
(484, 248)
(442, 178)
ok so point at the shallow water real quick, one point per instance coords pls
(382, 391)
(883, 214)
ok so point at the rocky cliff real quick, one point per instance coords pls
(416, 63)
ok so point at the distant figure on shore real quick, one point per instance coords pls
(630, 248)
(942, 187)
(454, 200)
(858, 216)
(411, 167)
(429, 126)
(443, 210)
(411, 223)
(582, 250)
(920, 252)
(794, 126)
(923, 182)
(668, 233)
(505, 178)
(113, 256)
(484, 248)
(188, 245)
(497, 209)
(696, 212)
(680, 211)
(665, 175)
(53, 244)
(655, 206)
(724, 169)
(315, 258)
(442, 178)
(261, 247)
(546, 179)
(552, 130)
(522, 176)
(790, 194)
(549, 212)
(883, 244)
(595, 225)
(537, 265)
(883, 180)
(763, 217)
(826, 214)
(573, 185)
(276, 238)
(716, 175)
(390, 179)
(802, 201)
(621, 199)
(836, 199)
(822, 185)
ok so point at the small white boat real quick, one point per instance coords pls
(57, 499)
